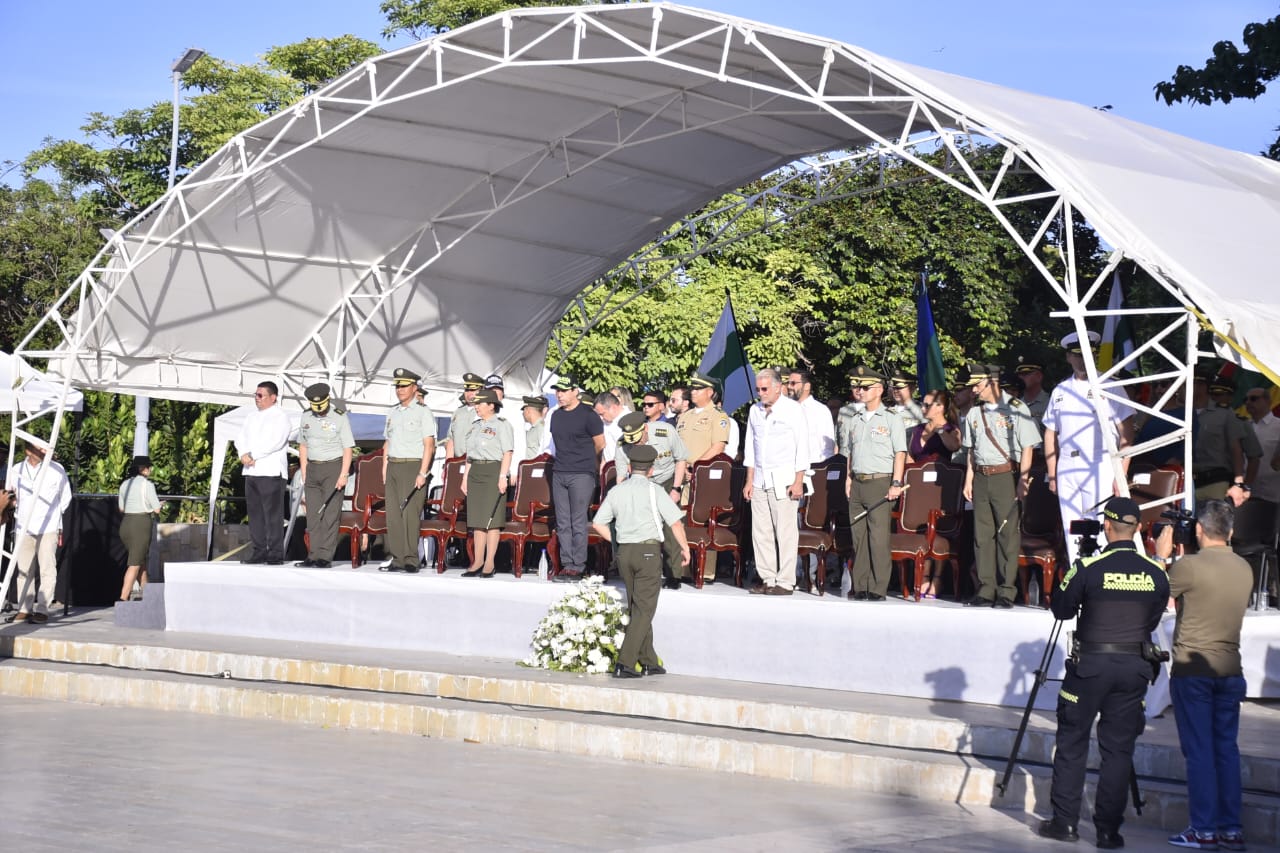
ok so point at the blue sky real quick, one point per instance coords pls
(61, 59)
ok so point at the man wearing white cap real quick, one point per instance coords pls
(1080, 468)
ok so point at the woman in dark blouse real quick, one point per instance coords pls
(939, 436)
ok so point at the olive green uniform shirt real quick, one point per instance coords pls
(487, 441)
(407, 427)
(631, 507)
(326, 436)
(876, 437)
(663, 438)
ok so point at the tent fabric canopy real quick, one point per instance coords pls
(27, 391)
(440, 206)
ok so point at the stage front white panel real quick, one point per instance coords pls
(932, 650)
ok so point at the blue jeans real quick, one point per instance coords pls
(1207, 711)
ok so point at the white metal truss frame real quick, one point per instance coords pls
(925, 125)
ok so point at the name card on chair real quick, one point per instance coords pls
(537, 473)
(716, 474)
(462, 469)
(834, 475)
(929, 476)
(1142, 478)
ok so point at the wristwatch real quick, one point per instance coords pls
(895, 484)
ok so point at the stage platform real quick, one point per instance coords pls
(930, 650)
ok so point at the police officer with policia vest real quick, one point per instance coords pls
(325, 443)
(406, 464)
(1120, 595)
(640, 511)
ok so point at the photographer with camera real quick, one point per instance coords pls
(1206, 680)
(1120, 596)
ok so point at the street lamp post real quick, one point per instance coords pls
(142, 405)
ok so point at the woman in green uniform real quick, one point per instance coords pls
(140, 505)
(490, 443)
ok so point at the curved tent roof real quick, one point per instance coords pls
(440, 206)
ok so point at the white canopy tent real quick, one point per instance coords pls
(27, 391)
(439, 207)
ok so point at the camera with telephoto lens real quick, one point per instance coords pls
(1087, 529)
(1182, 521)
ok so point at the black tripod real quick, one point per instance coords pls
(1087, 547)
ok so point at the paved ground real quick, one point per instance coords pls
(83, 777)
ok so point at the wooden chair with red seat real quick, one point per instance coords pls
(529, 515)
(713, 519)
(927, 521)
(1041, 537)
(1158, 486)
(446, 516)
(817, 525)
(368, 498)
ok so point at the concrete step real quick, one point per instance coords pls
(946, 774)
(946, 727)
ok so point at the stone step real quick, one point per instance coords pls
(945, 727)
(932, 774)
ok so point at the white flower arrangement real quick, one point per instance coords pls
(581, 632)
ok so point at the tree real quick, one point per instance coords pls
(1231, 73)
(423, 18)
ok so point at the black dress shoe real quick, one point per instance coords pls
(1109, 839)
(656, 669)
(389, 567)
(307, 564)
(978, 601)
(472, 573)
(411, 568)
(1004, 604)
(253, 561)
(671, 583)
(323, 564)
(1058, 831)
(874, 596)
(274, 562)
(857, 596)
(620, 671)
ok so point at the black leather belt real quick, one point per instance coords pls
(1111, 648)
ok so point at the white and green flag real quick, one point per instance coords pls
(1117, 334)
(726, 362)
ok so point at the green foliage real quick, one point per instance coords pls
(423, 18)
(1231, 73)
(47, 235)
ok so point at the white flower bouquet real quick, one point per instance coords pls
(581, 632)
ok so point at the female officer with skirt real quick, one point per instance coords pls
(140, 505)
(490, 442)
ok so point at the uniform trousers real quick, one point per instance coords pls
(670, 547)
(871, 564)
(264, 501)
(322, 527)
(775, 537)
(1080, 491)
(997, 517)
(571, 499)
(43, 549)
(640, 566)
(403, 525)
(1111, 688)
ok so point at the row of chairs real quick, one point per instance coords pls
(928, 519)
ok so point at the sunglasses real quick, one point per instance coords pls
(1252, 397)
(260, 396)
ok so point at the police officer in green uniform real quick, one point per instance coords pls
(1222, 391)
(325, 443)
(1031, 372)
(456, 439)
(1120, 596)
(406, 464)
(844, 419)
(668, 472)
(640, 510)
(490, 446)
(1218, 458)
(878, 443)
(902, 387)
(999, 438)
(536, 438)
